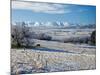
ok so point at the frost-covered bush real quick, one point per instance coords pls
(76, 40)
(93, 38)
(43, 36)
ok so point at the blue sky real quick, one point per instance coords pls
(44, 12)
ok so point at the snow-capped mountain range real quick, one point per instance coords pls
(45, 24)
(55, 24)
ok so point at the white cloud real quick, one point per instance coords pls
(82, 10)
(40, 7)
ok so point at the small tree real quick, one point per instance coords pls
(93, 38)
(16, 36)
(21, 36)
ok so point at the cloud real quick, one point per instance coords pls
(83, 10)
(40, 7)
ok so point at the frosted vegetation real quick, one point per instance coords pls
(45, 49)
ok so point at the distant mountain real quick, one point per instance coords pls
(89, 26)
(56, 24)
(49, 24)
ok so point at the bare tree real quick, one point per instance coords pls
(16, 36)
(21, 36)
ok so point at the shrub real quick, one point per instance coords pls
(76, 40)
(93, 38)
(43, 36)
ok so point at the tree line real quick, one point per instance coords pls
(22, 36)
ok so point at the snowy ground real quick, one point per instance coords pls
(50, 60)
(54, 56)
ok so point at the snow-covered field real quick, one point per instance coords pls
(62, 33)
(39, 60)
(54, 56)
